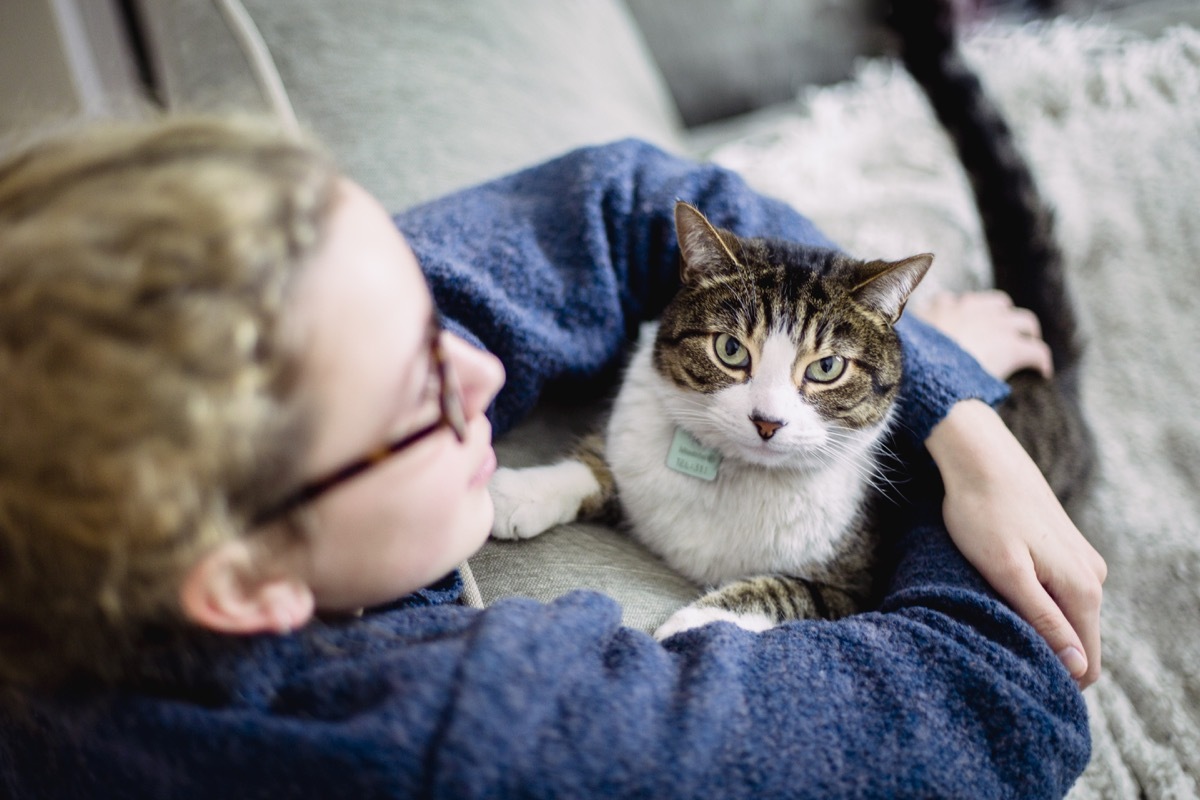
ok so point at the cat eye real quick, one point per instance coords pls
(731, 352)
(826, 370)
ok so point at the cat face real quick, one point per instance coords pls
(779, 354)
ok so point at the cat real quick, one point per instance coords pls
(789, 534)
(725, 477)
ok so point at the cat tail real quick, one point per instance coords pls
(1019, 227)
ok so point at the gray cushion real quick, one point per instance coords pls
(425, 96)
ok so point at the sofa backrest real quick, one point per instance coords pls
(425, 96)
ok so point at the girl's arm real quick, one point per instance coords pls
(553, 268)
(1043, 565)
(944, 692)
(1006, 520)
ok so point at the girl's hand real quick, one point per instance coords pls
(1006, 521)
(1001, 337)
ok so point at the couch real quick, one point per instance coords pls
(422, 97)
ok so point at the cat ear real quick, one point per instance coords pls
(890, 283)
(702, 251)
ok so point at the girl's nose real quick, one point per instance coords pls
(480, 374)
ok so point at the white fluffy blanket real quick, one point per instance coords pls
(1112, 126)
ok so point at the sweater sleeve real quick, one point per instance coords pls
(943, 692)
(553, 268)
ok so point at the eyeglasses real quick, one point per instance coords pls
(451, 416)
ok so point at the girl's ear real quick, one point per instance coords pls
(225, 591)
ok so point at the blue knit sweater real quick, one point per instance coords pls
(943, 692)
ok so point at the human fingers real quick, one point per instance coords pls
(1029, 551)
(1031, 600)
(1079, 595)
(1056, 584)
(1007, 354)
(996, 309)
(1032, 354)
(991, 306)
(1084, 616)
(1026, 323)
(990, 300)
(996, 297)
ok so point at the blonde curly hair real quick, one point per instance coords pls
(147, 398)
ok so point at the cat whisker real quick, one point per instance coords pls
(870, 471)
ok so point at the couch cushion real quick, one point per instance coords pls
(425, 96)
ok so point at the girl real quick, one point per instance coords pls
(234, 417)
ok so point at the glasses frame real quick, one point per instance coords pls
(450, 416)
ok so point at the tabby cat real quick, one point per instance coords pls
(765, 487)
(727, 477)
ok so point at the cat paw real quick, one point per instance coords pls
(530, 501)
(690, 617)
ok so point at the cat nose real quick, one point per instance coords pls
(766, 427)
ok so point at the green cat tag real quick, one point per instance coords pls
(692, 458)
